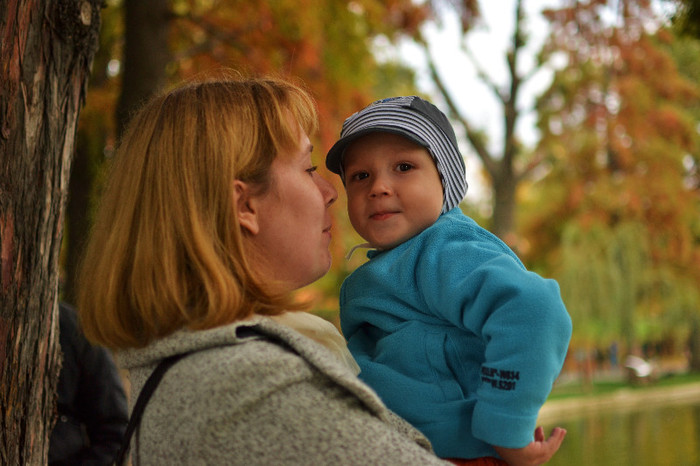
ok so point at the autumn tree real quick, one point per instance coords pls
(508, 162)
(47, 49)
(687, 16)
(613, 214)
(292, 38)
(686, 54)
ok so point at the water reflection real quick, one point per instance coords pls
(656, 436)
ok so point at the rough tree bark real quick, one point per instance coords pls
(46, 53)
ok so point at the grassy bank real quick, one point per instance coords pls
(605, 387)
(573, 400)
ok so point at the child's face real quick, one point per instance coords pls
(393, 187)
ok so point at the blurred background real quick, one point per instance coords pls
(579, 122)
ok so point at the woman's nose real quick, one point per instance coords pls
(330, 194)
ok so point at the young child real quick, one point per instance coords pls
(445, 322)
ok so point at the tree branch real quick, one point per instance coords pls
(510, 103)
(483, 76)
(530, 167)
(472, 135)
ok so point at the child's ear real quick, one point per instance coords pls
(245, 207)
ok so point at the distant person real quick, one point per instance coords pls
(613, 354)
(92, 408)
(445, 322)
(213, 216)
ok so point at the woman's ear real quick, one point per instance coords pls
(245, 207)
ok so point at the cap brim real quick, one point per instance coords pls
(334, 159)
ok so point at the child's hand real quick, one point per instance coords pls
(537, 452)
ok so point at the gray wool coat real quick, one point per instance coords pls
(256, 392)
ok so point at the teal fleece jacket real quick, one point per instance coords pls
(456, 336)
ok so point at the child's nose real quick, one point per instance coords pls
(380, 187)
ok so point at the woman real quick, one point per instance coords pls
(212, 217)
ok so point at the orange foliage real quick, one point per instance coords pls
(622, 159)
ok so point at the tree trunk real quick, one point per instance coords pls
(146, 54)
(694, 344)
(503, 226)
(47, 49)
(502, 170)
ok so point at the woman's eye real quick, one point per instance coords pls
(404, 167)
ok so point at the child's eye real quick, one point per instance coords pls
(311, 170)
(404, 167)
(359, 176)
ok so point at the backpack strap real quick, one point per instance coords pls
(141, 401)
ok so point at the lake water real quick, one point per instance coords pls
(653, 436)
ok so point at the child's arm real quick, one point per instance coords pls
(537, 452)
(474, 282)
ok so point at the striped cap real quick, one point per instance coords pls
(421, 122)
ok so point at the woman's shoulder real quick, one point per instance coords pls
(270, 382)
(240, 373)
(257, 353)
(247, 356)
(228, 357)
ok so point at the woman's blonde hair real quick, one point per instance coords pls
(166, 249)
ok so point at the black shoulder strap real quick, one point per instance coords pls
(144, 396)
